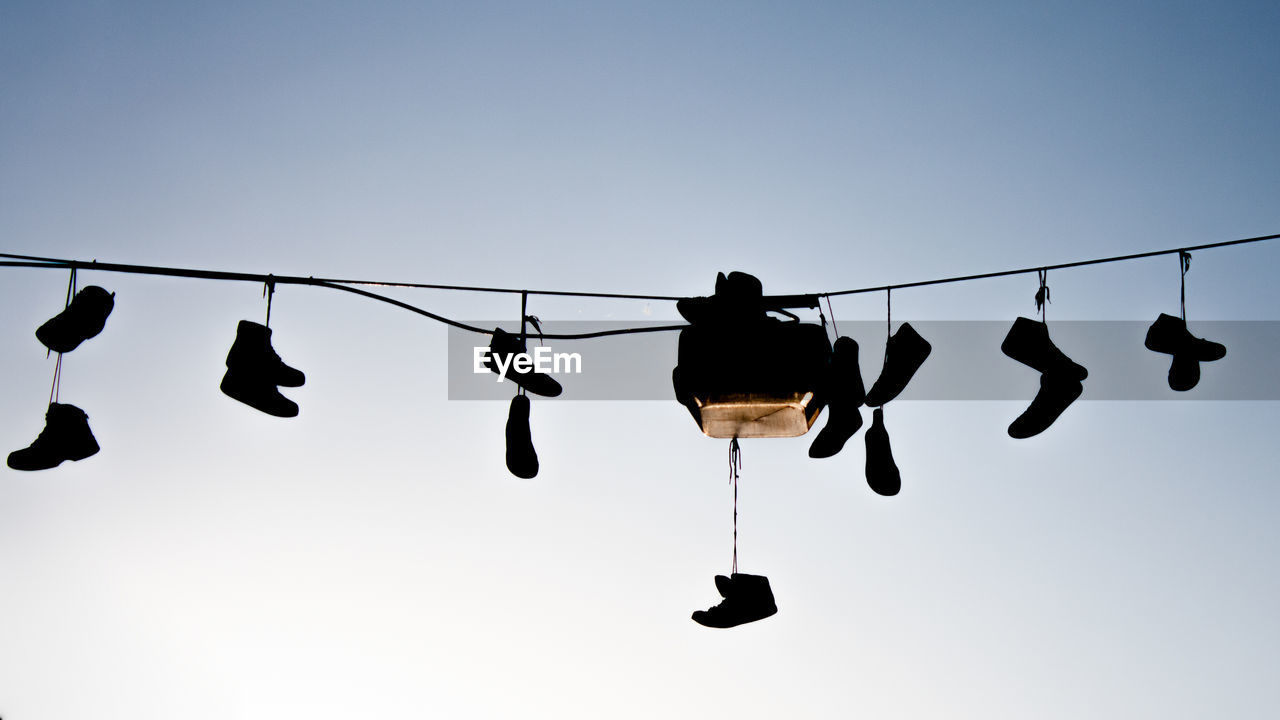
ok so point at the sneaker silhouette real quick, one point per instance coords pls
(66, 436)
(505, 345)
(882, 472)
(846, 394)
(1060, 378)
(82, 319)
(747, 598)
(1169, 335)
(252, 357)
(904, 353)
(254, 372)
(522, 459)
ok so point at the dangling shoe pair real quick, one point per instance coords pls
(747, 598)
(1061, 379)
(507, 347)
(255, 372)
(905, 352)
(1169, 335)
(522, 459)
(66, 436)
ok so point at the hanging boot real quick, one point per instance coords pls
(1060, 378)
(522, 459)
(253, 358)
(882, 471)
(1169, 335)
(904, 353)
(847, 393)
(506, 346)
(82, 319)
(66, 436)
(747, 598)
(254, 371)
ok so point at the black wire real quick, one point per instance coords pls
(339, 284)
(1022, 271)
(298, 280)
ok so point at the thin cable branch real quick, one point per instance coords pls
(483, 331)
(1038, 268)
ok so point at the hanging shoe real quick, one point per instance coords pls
(82, 319)
(904, 353)
(847, 393)
(882, 471)
(1169, 335)
(256, 362)
(522, 459)
(1056, 393)
(252, 391)
(1028, 342)
(66, 436)
(747, 598)
(506, 346)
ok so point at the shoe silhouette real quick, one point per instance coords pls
(1169, 335)
(66, 436)
(1028, 342)
(522, 459)
(505, 345)
(1060, 378)
(252, 357)
(904, 353)
(1056, 393)
(882, 471)
(82, 319)
(737, 300)
(254, 372)
(845, 395)
(747, 598)
(258, 395)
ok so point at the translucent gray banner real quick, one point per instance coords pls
(966, 362)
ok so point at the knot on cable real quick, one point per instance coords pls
(1042, 295)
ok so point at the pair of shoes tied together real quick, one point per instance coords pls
(255, 373)
(1169, 335)
(1061, 379)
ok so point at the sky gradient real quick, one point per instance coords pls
(374, 556)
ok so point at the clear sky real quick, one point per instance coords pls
(374, 558)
